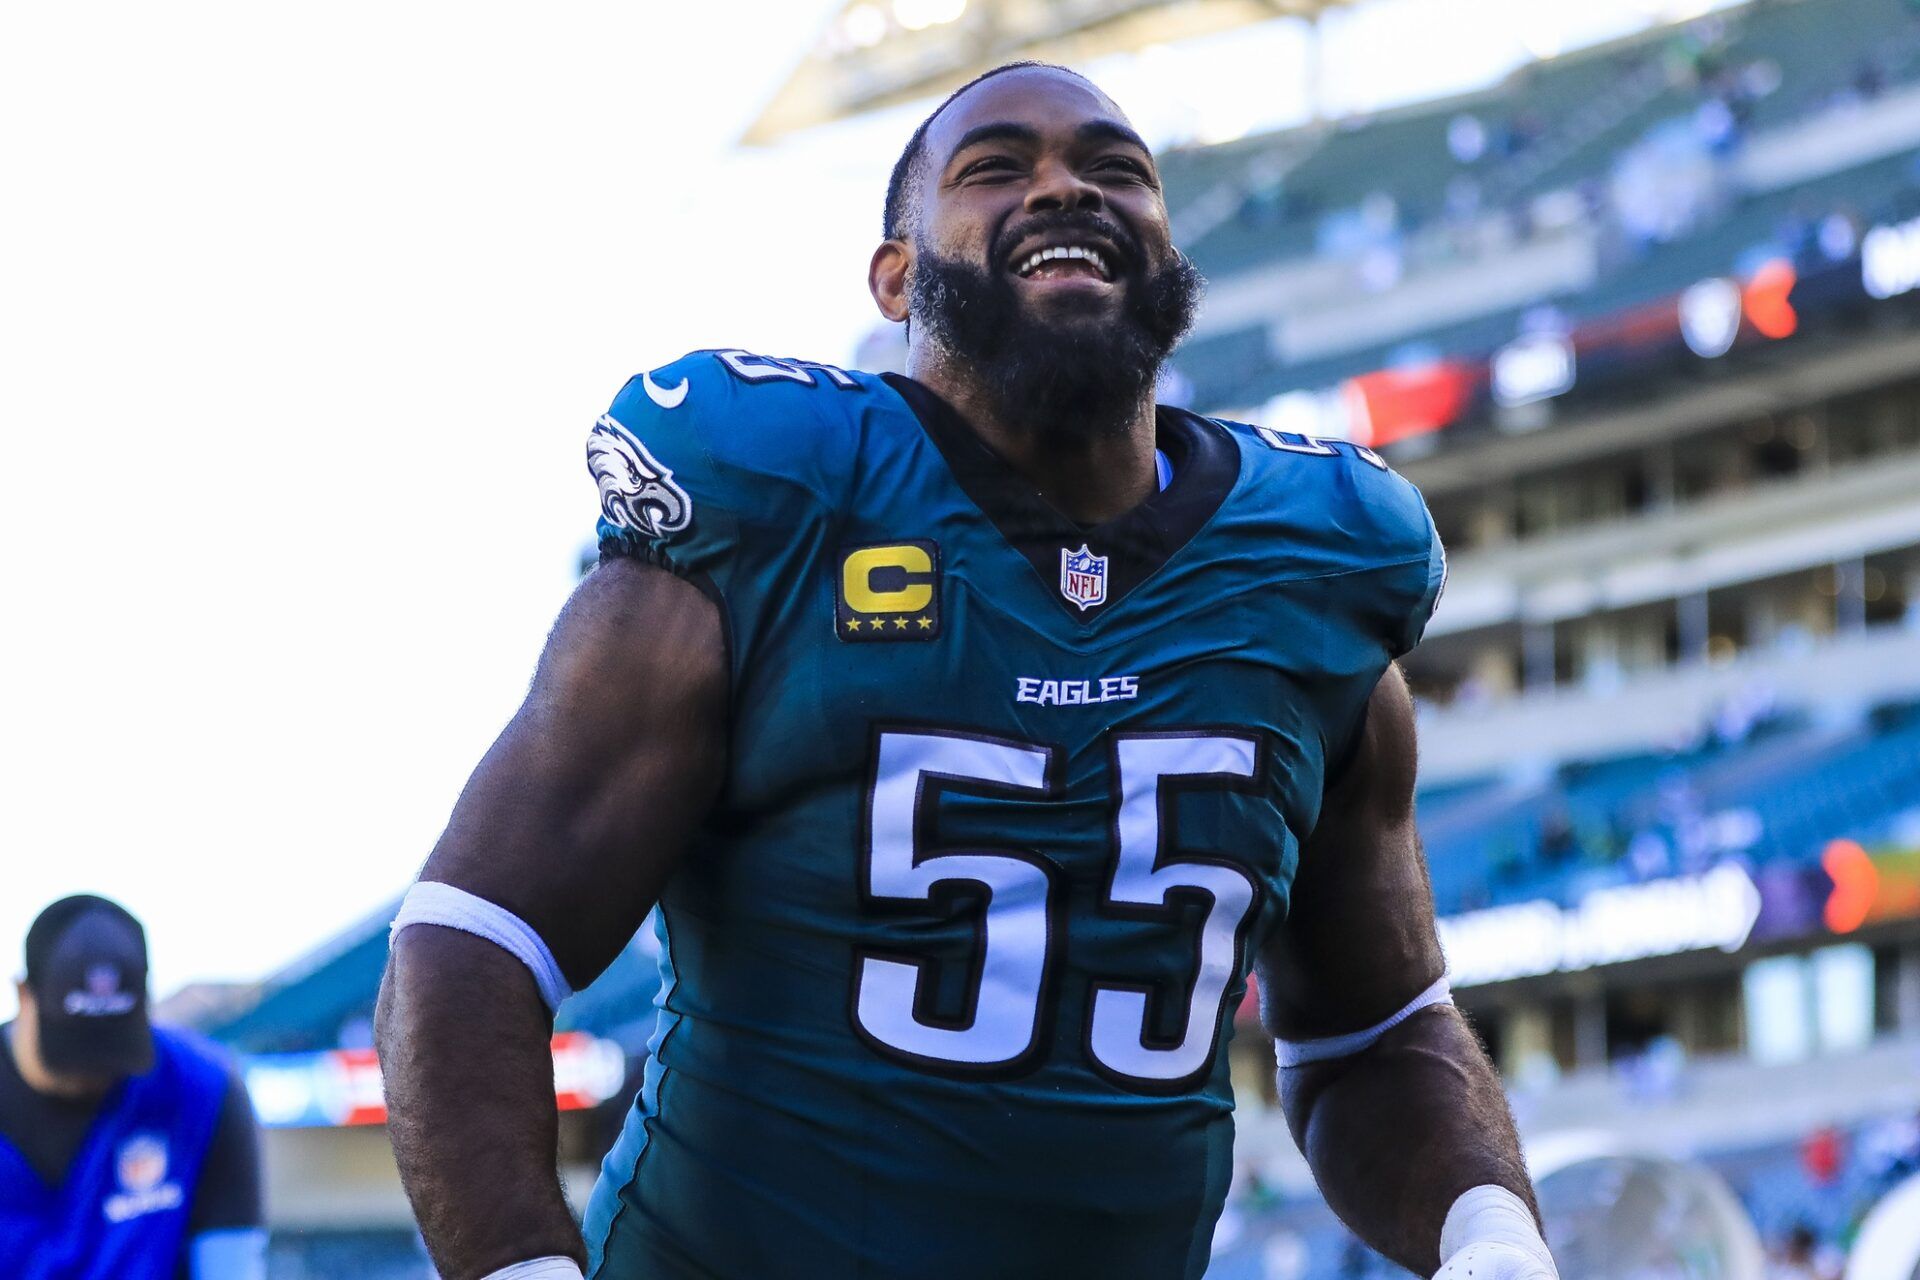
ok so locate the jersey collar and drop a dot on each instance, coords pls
(1205, 462)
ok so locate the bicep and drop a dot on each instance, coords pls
(1359, 940)
(579, 812)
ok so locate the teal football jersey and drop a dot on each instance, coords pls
(1011, 805)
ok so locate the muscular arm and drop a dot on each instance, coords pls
(1396, 1132)
(573, 822)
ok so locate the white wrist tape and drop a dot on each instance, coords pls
(1296, 1053)
(429, 902)
(1492, 1215)
(538, 1269)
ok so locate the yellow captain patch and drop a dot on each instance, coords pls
(889, 592)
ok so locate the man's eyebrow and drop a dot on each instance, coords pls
(1112, 131)
(1009, 131)
(1000, 131)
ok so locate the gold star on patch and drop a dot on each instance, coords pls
(926, 624)
(900, 623)
(853, 624)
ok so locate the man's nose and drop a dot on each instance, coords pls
(1058, 185)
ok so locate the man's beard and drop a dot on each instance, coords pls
(1078, 377)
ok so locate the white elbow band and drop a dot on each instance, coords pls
(1298, 1053)
(1493, 1216)
(429, 902)
(539, 1269)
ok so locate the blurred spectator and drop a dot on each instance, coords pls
(1656, 1073)
(1869, 79)
(1890, 1149)
(1466, 137)
(1792, 1257)
(1648, 856)
(1714, 124)
(1557, 843)
(1175, 388)
(1284, 1257)
(1664, 184)
(1822, 1155)
(127, 1151)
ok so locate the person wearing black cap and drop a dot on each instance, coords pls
(127, 1151)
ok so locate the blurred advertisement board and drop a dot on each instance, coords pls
(1607, 926)
(344, 1086)
(1848, 888)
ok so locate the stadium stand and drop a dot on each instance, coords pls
(325, 1001)
(1616, 176)
(1778, 796)
(1817, 1185)
(366, 1255)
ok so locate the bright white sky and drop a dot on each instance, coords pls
(304, 313)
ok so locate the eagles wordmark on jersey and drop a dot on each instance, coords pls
(1011, 805)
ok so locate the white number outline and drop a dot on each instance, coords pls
(774, 369)
(887, 964)
(1165, 787)
(1138, 1003)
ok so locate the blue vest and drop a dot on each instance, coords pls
(121, 1213)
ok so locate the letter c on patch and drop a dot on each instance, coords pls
(908, 589)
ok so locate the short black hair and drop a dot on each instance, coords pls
(900, 184)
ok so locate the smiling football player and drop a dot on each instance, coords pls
(976, 733)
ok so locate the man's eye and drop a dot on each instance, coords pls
(988, 164)
(1122, 164)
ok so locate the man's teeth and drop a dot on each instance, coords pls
(1083, 253)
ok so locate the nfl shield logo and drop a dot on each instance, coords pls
(142, 1163)
(1083, 577)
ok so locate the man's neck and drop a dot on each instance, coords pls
(14, 1052)
(1090, 478)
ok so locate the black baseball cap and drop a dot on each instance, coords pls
(87, 969)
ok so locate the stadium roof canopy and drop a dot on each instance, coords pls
(879, 53)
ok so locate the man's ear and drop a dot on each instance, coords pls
(887, 278)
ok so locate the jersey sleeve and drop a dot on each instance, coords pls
(707, 475)
(1395, 542)
(1434, 584)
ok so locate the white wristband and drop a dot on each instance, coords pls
(555, 1268)
(1492, 1215)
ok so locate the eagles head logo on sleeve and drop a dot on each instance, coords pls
(636, 492)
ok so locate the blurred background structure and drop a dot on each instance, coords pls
(871, 56)
(1642, 320)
